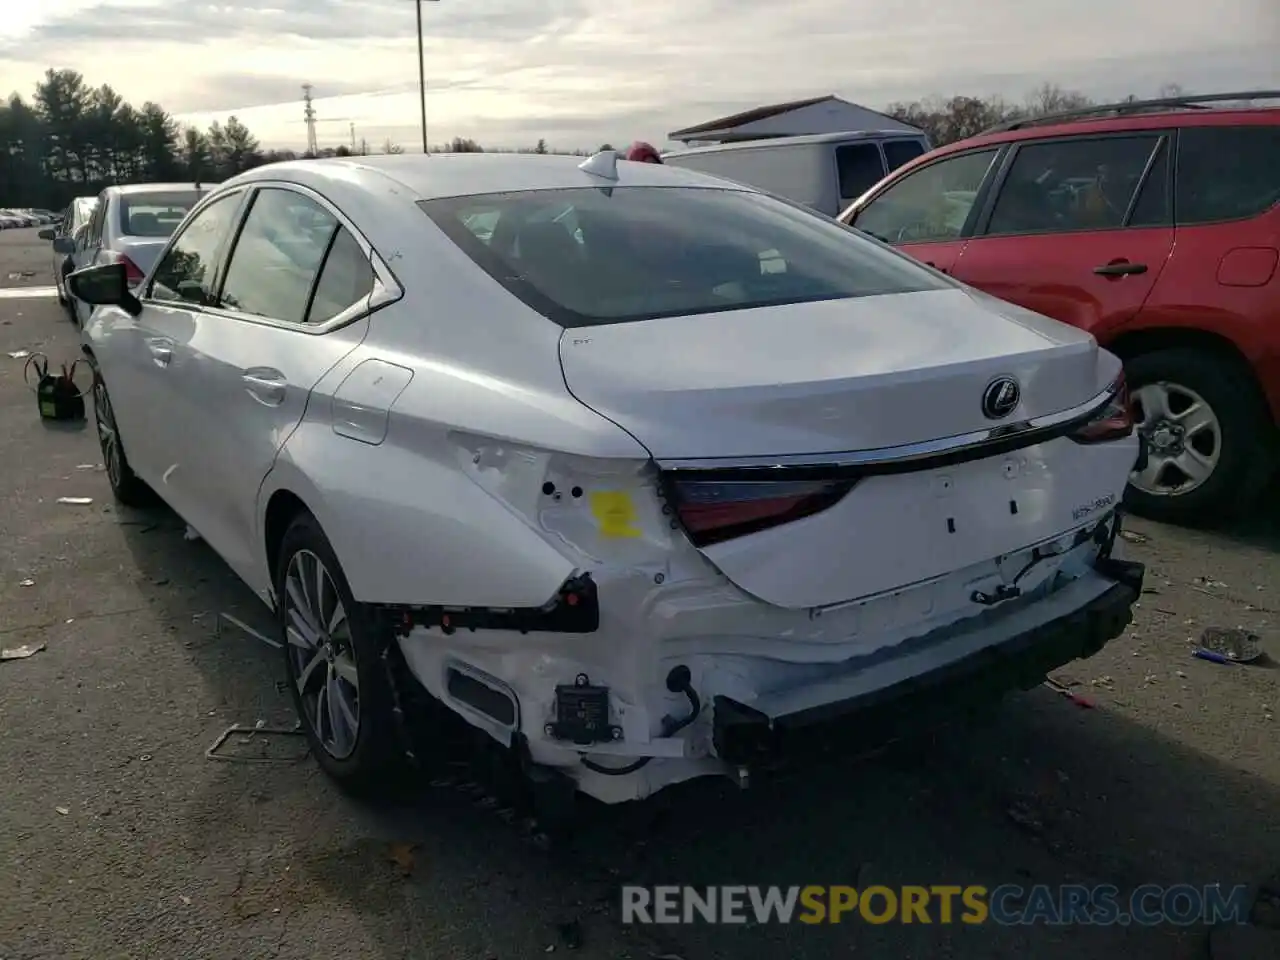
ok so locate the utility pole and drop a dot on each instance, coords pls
(309, 114)
(422, 79)
(353, 137)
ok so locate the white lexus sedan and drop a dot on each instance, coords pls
(643, 474)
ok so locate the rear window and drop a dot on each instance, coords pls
(592, 256)
(155, 214)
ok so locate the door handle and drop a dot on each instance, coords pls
(161, 350)
(268, 387)
(1120, 268)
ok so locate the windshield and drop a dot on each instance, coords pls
(590, 256)
(155, 214)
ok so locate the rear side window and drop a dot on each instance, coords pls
(1227, 173)
(899, 152)
(586, 256)
(278, 256)
(155, 214)
(859, 167)
(1066, 185)
(346, 279)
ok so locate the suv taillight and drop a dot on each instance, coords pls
(1113, 422)
(712, 511)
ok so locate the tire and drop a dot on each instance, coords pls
(369, 758)
(126, 487)
(1244, 444)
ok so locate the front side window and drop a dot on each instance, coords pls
(1068, 185)
(859, 168)
(586, 256)
(278, 256)
(1227, 173)
(186, 272)
(929, 204)
(155, 214)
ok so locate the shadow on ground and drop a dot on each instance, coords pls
(1036, 791)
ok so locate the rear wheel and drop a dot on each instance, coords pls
(1210, 442)
(333, 662)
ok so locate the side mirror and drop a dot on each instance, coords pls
(46, 234)
(61, 244)
(105, 285)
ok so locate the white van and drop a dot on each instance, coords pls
(826, 171)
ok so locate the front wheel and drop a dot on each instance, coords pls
(127, 488)
(1209, 438)
(334, 665)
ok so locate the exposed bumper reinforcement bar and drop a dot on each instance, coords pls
(933, 678)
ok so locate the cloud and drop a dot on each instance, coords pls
(578, 72)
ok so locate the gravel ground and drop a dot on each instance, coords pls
(120, 839)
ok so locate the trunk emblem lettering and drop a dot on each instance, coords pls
(1001, 398)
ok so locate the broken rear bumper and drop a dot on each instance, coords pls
(965, 669)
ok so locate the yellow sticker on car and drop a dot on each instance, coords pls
(615, 513)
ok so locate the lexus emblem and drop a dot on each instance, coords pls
(1001, 398)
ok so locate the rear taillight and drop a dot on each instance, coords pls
(713, 511)
(1113, 422)
(132, 272)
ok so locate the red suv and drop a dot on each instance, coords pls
(1155, 226)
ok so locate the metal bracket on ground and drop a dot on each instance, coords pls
(243, 628)
(257, 730)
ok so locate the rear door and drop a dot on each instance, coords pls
(928, 212)
(1076, 228)
(293, 302)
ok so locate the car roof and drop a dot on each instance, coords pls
(469, 174)
(130, 189)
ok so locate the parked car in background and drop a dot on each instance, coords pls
(130, 225)
(587, 452)
(20, 219)
(824, 171)
(9, 221)
(1155, 226)
(63, 241)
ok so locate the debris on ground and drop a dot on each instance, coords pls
(26, 582)
(190, 533)
(21, 653)
(570, 934)
(63, 810)
(19, 354)
(1234, 643)
(76, 501)
(1133, 537)
(1208, 582)
(403, 856)
(1075, 698)
(1021, 813)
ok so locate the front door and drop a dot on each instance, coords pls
(291, 305)
(1079, 229)
(927, 211)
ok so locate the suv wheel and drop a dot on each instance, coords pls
(1209, 438)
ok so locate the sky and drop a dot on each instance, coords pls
(579, 73)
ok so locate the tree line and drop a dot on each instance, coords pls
(71, 139)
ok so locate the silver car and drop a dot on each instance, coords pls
(63, 238)
(130, 225)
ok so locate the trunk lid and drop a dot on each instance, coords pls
(825, 377)
(141, 250)
(805, 380)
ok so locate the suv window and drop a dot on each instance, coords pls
(278, 256)
(1227, 173)
(1064, 185)
(859, 167)
(186, 272)
(898, 152)
(928, 204)
(637, 253)
(346, 278)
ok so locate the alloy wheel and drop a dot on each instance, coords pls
(322, 654)
(1184, 439)
(108, 435)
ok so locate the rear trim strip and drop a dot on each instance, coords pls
(905, 458)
